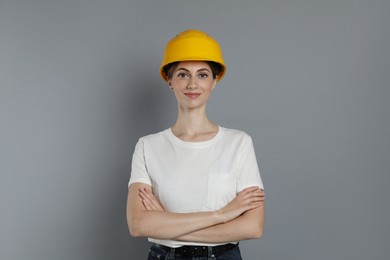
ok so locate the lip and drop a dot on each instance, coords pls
(192, 95)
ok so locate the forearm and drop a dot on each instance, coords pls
(247, 226)
(160, 224)
(146, 217)
(164, 225)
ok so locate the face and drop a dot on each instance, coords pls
(192, 82)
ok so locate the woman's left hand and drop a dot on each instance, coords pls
(150, 201)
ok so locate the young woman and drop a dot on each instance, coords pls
(195, 189)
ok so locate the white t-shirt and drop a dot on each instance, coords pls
(195, 176)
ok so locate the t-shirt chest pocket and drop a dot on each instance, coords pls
(221, 189)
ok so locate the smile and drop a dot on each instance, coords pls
(192, 95)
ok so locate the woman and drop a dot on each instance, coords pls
(195, 188)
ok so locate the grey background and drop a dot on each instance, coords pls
(308, 80)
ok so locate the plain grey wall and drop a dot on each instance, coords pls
(308, 80)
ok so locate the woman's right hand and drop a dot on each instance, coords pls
(245, 200)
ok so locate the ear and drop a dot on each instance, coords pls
(214, 85)
(170, 85)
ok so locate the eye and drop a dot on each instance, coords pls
(182, 75)
(203, 75)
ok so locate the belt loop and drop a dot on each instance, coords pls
(210, 255)
(171, 254)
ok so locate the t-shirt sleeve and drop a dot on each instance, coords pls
(248, 173)
(139, 170)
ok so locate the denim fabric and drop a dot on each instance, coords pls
(158, 253)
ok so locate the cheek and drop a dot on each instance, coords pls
(209, 87)
(179, 84)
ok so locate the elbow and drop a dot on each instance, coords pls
(258, 233)
(135, 228)
(255, 233)
(135, 232)
(259, 230)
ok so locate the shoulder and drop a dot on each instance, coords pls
(235, 134)
(152, 138)
(236, 138)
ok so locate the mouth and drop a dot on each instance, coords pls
(192, 95)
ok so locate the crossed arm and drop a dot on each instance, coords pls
(240, 219)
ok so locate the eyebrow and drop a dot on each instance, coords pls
(202, 69)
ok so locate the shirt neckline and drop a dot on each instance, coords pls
(200, 144)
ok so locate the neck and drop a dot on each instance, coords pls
(192, 121)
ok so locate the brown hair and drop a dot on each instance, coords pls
(215, 67)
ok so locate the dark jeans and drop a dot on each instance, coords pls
(162, 254)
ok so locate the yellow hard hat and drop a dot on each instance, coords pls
(192, 45)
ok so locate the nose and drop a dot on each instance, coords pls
(191, 83)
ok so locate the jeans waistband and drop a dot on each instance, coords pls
(198, 251)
